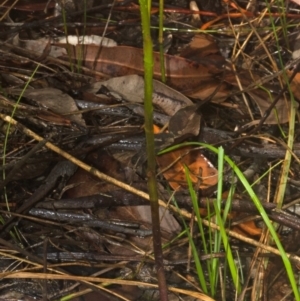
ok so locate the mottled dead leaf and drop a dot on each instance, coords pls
(202, 172)
(56, 101)
(131, 88)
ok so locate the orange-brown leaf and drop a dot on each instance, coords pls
(202, 172)
(201, 46)
(295, 84)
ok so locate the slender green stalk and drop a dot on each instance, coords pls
(281, 187)
(161, 40)
(216, 234)
(195, 252)
(280, 192)
(228, 252)
(196, 209)
(151, 166)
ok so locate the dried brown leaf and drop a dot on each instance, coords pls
(262, 98)
(186, 122)
(131, 88)
(201, 46)
(201, 170)
(279, 115)
(295, 84)
(181, 73)
(56, 101)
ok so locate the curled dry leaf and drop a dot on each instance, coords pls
(29, 111)
(186, 122)
(202, 172)
(56, 101)
(131, 89)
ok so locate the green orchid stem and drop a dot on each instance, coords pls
(151, 167)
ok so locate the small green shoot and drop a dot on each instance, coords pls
(200, 272)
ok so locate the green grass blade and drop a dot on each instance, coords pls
(198, 265)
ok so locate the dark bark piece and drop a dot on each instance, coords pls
(115, 198)
(88, 220)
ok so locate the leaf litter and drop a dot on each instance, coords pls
(87, 101)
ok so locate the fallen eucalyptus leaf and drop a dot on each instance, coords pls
(181, 74)
(131, 89)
